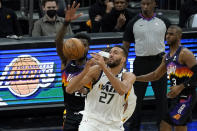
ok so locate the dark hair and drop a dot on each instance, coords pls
(178, 29)
(83, 36)
(45, 1)
(124, 50)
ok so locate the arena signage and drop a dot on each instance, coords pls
(24, 75)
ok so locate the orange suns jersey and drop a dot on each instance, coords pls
(75, 101)
(178, 73)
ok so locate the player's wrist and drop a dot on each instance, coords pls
(85, 70)
(104, 67)
(183, 86)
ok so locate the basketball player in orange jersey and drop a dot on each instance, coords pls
(73, 102)
(181, 67)
(112, 87)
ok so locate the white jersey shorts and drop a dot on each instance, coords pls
(89, 124)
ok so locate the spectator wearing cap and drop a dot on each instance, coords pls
(117, 19)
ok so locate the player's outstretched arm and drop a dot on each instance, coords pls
(155, 75)
(88, 74)
(122, 87)
(126, 45)
(70, 14)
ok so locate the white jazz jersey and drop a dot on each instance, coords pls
(105, 105)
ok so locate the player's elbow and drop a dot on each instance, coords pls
(121, 94)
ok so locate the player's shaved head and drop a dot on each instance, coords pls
(177, 28)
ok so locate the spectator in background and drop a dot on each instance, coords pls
(187, 9)
(96, 13)
(148, 30)
(50, 23)
(9, 24)
(117, 19)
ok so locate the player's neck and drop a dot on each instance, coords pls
(148, 15)
(116, 70)
(173, 48)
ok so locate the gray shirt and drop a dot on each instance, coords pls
(148, 34)
(44, 27)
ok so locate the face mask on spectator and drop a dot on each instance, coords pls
(51, 13)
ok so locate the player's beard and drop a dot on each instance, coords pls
(172, 43)
(114, 63)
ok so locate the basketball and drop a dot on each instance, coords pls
(73, 49)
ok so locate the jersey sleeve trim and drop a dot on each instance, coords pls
(127, 95)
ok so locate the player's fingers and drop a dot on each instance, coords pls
(73, 5)
(67, 10)
(95, 55)
(92, 54)
(77, 16)
(94, 61)
(77, 6)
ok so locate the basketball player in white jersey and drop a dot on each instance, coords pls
(111, 93)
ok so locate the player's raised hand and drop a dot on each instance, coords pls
(70, 12)
(98, 59)
(89, 64)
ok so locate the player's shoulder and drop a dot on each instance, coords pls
(185, 51)
(128, 74)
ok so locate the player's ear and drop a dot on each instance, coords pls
(123, 59)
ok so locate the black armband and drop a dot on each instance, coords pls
(192, 82)
(66, 23)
